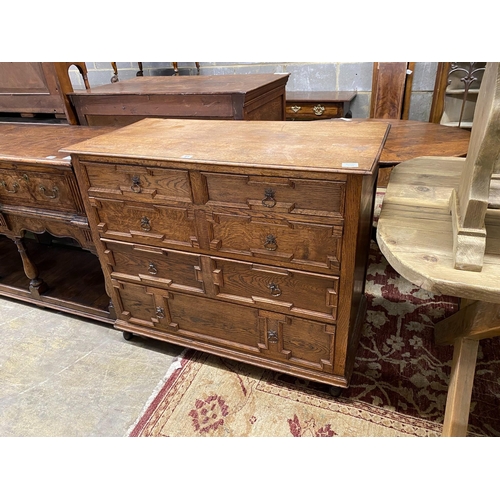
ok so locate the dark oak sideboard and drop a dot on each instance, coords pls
(244, 239)
(41, 208)
(228, 97)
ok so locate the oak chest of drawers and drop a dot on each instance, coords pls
(243, 239)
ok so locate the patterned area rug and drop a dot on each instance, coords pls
(398, 387)
(211, 396)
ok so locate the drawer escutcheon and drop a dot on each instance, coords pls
(45, 191)
(319, 109)
(269, 200)
(14, 189)
(270, 243)
(145, 224)
(272, 336)
(136, 184)
(275, 289)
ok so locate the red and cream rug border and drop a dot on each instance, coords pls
(185, 368)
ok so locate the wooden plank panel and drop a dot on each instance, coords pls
(388, 89)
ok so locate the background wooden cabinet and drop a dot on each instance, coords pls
(29, 89)
(214, 97)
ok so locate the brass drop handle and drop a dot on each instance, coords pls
(152, 269)
(269, 200)
(145, 224)
(160, 312)
(275, 289)
(14, 189)
(44, 190)
(136, 184)
(270, 243)
(272, 336)
(319, 109)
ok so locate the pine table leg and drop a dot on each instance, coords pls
(460, 389)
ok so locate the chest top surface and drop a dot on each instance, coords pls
(339, 147)
(41, 143)
(187, 85)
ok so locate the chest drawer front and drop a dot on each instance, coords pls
(139, 183)
(154, 266)
(215, 322)
(276, 195)
(146, 224)
(54, 190)
(304, 245)
(313, 110)
(304, 294)
(261, 334)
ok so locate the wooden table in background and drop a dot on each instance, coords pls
(410, 139)
(216, 97)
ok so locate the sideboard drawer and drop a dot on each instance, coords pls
(53, 189)
(313, 111)
(145, 224)
(138, 183)
(304, 294)
(318, 105)
(155, 266)
(277, 194)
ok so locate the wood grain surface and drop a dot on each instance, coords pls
(41, 143)
(193, 84)
(326, 146)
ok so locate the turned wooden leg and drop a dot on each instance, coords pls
(84, 74)
(176, 69)
(37, 285)
(458, 400)
(140, 72)
(114, 78)
(198, 67)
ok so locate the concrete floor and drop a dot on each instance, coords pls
(65, 376)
